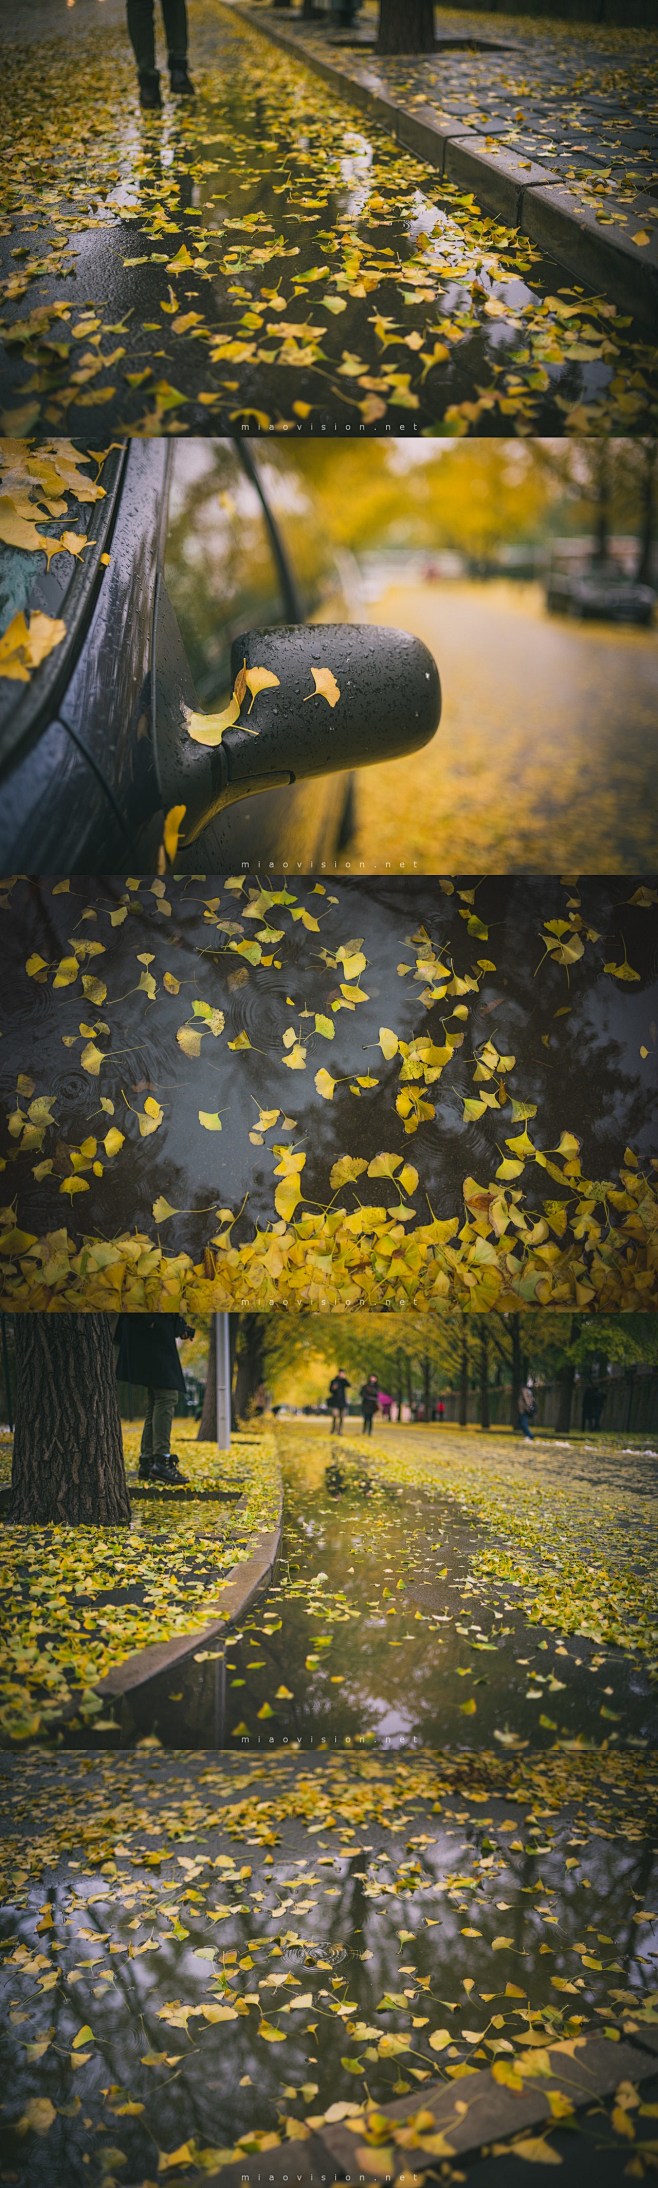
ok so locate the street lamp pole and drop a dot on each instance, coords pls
(223, 1369)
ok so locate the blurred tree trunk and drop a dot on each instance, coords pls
(517, 1366)
(68, 1466)
(463, 1376)
(250, 1356)
(484, 1375)
(648, 513)
(406, 26)
(603, 503)
(427, 1385)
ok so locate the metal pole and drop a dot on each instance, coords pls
(223, 1361)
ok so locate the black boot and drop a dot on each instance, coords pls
(179, 77)
(145, 1469)
(165, 1468)
(149, 88)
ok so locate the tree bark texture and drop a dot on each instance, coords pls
(68, 1466)
(406, 26)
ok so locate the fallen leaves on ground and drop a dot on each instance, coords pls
(79, 1600)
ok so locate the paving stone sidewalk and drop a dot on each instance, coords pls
(572, 107)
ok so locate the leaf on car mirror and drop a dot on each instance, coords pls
(260, 680)
(208, 729)
(325, 686)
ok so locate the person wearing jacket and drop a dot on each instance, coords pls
(369, 1403)
(148, 1354)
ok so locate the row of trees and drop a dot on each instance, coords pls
(68, 1463)
(477, 496)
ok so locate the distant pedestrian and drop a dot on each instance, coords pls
(338, 1389)
(369, 1403)
(148, 1354)
(141, 28)
(439, 1411)
(527, 1410)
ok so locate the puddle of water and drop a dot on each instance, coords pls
(389, 1906)
(377, 1629)
(576, 1041)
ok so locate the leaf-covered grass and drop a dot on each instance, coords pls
(77, 1601)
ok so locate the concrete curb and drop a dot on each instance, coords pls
(524, 193)
(242, 1584)
(472, 2112)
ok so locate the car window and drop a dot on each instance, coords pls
(319, 577)
(220, 568)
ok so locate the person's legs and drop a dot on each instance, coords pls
(146, 1446)
(164, 1407)
(174, 16)
(524, 1421)
(339, 1422)
(141, 31)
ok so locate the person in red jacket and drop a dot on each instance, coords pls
(141, 28)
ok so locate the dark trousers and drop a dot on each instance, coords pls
(367, 1424)
(141, 27)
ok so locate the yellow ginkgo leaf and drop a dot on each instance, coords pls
(325, 686)
(172, 828)
(259, 680)
(208, 729)
(162, 1209)
(151, 1118)
(23, 646)
(324, 1085)
(384, 1166)
(345, 1170)
(114, 1139)
(189, 1038)
(91, 1059)
(210, 1119)
(287, 1196)
(388, 1042)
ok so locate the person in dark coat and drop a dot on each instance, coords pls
(148, 1354)
(338, 1389)
(369, 1403)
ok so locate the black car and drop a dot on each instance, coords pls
(199, 560)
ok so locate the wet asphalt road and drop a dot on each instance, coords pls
(546, 757)
(323, 266)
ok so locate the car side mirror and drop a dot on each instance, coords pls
(333, 696)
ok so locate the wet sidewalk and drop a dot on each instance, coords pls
(562, 115)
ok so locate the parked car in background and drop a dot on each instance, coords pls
(599, 592)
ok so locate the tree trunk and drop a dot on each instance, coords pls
(484, 1375)
(68, 1452)
(648, 522)
(406, 26)
(427, 1385)
(207, 1429)
(517, 1366)
(250, 1353)
(603, 504)
(463, 1377)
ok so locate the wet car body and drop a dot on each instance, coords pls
(80, 782)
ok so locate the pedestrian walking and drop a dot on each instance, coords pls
(439, 1411)
(338, 1389)
(527, 1410)
(148, 1354)
(141, 29)
(369, 1403)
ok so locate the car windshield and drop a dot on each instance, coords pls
(55, 513)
